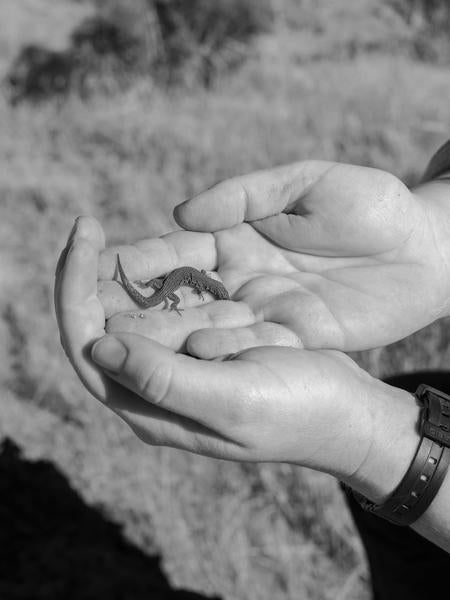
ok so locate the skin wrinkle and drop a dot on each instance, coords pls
(148, 266)
(294, 393)
(282, 260)
(436, 244)
(213, 241)
(318, 264)
(252, 410)
(180, 439)
(347, 333)
(371, 439)
(246, 201)
(419, 222)
(252, 336)
(289, 337)
(305, 191)
(219, 241)
(328, 275)
(441, 308)
(174, 256)
(338, 329)
(262, 334)
(158, 383)
(290, 262)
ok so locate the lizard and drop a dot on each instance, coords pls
(166, 286)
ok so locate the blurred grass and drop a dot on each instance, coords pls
(241, 531)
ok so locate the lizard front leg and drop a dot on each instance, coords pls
(199, 292)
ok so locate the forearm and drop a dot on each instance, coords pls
(394, 412)
(435, 523)
(395, 438)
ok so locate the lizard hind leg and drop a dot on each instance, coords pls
(175, 301)
(155, 283)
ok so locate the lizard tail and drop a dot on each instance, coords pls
(132, 291)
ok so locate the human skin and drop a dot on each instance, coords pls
(315, 254)
(319, 258)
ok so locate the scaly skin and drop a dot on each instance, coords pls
(165, 287)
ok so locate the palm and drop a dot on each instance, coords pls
(333, 301)
(346, 262)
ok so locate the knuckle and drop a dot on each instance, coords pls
(155, 386)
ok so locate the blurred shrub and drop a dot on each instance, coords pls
(435, 12)
(342, 31)
(430, 24)
(37, 73)
(171, 41)
(188, 41)
(201, 38)
(99, 55)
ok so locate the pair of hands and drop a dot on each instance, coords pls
(319, 258)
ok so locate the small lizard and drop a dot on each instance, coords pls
(166, 286)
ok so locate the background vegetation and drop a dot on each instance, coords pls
(132, 108)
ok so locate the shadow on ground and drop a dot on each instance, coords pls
(53, 546)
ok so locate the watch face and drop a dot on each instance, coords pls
(435, 419)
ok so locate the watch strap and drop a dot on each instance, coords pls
(424, 477)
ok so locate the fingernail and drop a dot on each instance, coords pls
(73, 231)
(109, 353)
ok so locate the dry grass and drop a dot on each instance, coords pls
(241, 531)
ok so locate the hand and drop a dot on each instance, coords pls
(316, 255)
(265, 404)
(315, 408)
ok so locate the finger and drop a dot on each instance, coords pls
(213, 343)
(79, 280)
(62, 258)
(79, 313)
(169, 329)
(210, 393)
(150, 258)
(249, 197)
(83, 227)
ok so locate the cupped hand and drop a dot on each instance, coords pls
(267, 403)
(315, 254)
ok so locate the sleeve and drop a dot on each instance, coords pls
(439, 164)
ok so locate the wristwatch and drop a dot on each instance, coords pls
(422, 481)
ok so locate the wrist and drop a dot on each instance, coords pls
(434, 197)
(393, 441)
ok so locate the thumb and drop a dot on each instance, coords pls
(201, 390)
(249, 197)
